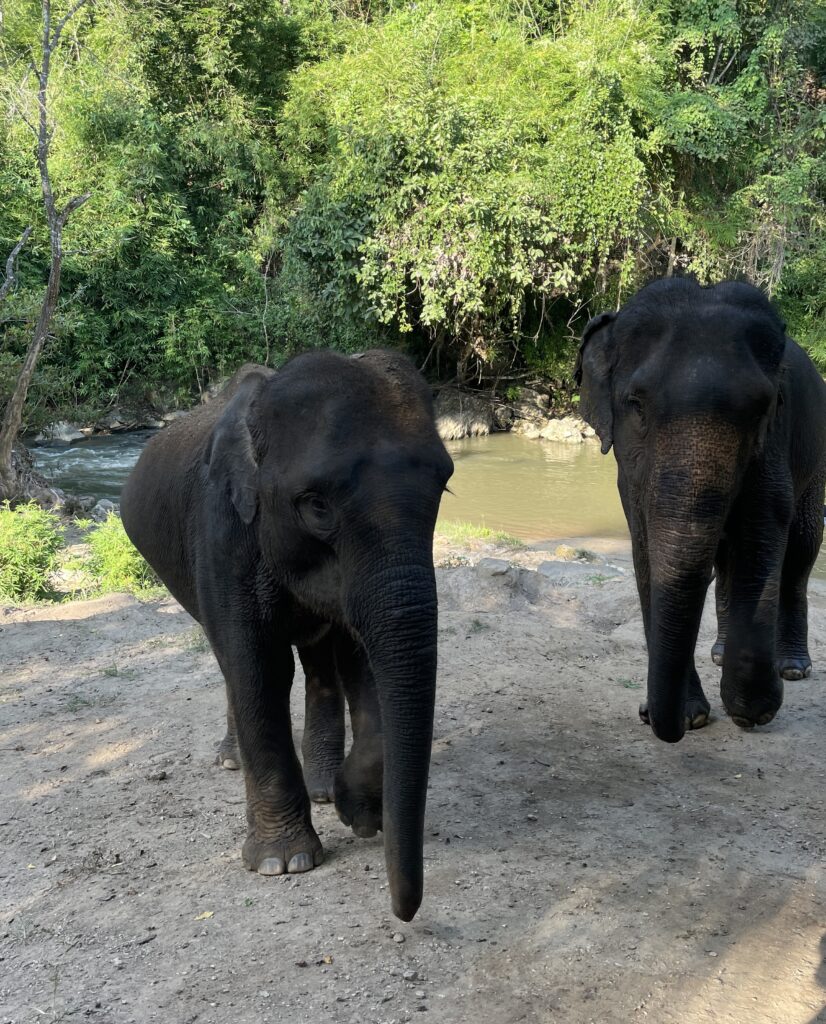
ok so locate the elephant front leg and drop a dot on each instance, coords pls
(359, 783)
(322, 747)
(280, 836)
(751, 686)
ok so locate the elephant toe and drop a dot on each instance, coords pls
(321, 789)
(294, 853)
(698, 715)
(229, 756)
(795, 669)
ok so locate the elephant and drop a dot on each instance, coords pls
(297, 509)
(718, 423)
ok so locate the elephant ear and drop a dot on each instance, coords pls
(232, 459)
(593, 375)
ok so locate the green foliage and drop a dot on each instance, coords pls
(459, 532)
(30, 539)
(114, 563)
(463, 177)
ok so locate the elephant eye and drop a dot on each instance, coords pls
(316, 512)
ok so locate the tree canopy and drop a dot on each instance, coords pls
(468, 179)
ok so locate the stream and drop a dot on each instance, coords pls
(534, 490)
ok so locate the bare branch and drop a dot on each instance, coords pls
(8, 284)
(71, 206)
(64, 22)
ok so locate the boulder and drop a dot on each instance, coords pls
(568, 430)
(173, 414)
(117, 420)
(530, 408)
(61, 431)
(460, 414)
(103, 510)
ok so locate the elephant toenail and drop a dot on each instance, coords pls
(300, 862)
(271, 866)
(744, 723)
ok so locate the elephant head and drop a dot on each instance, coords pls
(684, 382)
(337, 470)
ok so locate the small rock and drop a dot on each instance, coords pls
(398, 937)
(493, 567)
(158, 776)
(411, 975)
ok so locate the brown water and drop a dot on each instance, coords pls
(539, 490)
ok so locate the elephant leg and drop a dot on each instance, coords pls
(259, 674)
(751, 686)
(322, 747)
(229, 756)
(805, 536)
(722, 596)
(359, 784)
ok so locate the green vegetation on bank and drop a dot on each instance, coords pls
(460, 532)
(30, 540)
(469, 180)
(114, 563)
(36, 566)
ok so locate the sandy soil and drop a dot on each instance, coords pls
(577, 870)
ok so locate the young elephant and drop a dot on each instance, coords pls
(718, 422)
(298, 508)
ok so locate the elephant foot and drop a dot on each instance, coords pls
(793, 669)
(717, 652)
(748, 713)
(229, 756)
(295, 851)
(358, 795)
(697, 713)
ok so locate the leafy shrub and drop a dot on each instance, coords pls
(29, 541)
(114, 561)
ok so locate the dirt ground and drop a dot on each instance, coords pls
(576, 869)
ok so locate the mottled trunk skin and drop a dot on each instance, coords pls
(690, 496)
(394, 613)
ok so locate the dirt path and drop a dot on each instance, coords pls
(577, 870)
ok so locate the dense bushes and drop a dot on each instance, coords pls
(114, 563)
(30, 539)
(462, 177)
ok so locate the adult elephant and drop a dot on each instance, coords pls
(298, 508)
(718, 422)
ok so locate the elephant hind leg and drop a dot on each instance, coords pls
(229, 755)
(722, 587)
(322, 747)
(805, 536)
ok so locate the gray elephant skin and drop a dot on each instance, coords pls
(718, 422)
(297, 509)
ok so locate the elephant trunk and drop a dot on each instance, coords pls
(395, 616)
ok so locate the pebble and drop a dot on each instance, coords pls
(411, 975)
(398, 937)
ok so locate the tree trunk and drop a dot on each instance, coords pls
(10, 484)
(13, 414)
